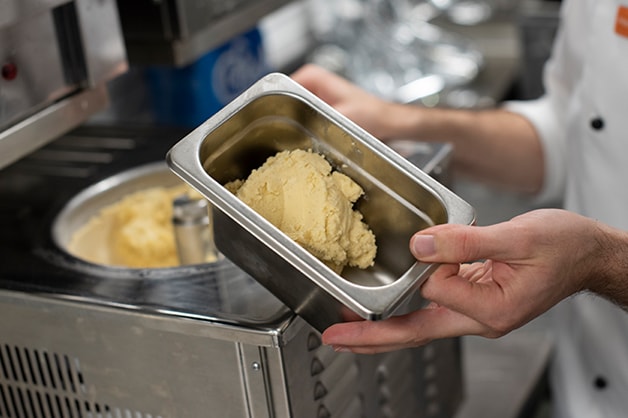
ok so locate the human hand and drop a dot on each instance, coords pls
(532, 262)
(379, 117)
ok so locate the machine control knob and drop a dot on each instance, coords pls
(9, 71)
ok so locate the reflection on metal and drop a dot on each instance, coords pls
(180, 31)
(391, 48)
(60, 55)
(51, 122)
(191, 221)
(422, 87)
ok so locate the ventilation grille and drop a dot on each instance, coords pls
(39, 384)
(396, 386)
(335, 378)
(74, 156)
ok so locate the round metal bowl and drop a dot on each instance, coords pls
(83, 229)
(218, 289)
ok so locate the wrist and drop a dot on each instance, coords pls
(400, 121)
(610, 276)
(403, 121)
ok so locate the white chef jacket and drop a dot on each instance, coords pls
(583, 124)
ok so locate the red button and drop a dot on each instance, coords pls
(9, 71)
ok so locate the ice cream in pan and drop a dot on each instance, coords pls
(299, 193)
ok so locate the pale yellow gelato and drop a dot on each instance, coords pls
(135, 232)
(298, 192)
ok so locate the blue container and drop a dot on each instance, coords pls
(189, 95)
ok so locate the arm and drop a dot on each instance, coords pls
(497, 146)
(533, 262)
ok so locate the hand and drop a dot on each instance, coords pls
(373, 114)
(532, 262)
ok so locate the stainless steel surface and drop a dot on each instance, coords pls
(101, 38)
(97, 361)
(56, 57)
(193, 231)
(277, 114)
(197, 341)
(498, 41)
(12, 11)
(28, 47)
(44, 126)
(178, 32)
(64, 359)
(391, 48)
(433, 158)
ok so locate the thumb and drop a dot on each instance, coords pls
(453, 243)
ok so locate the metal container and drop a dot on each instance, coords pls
(277, 114)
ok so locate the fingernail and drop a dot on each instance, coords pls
(423, 245)
(340, 349)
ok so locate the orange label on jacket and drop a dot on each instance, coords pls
(621, 23)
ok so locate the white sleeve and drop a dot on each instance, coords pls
(542, 114)
(548, 114)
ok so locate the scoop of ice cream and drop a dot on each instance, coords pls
(298, 192)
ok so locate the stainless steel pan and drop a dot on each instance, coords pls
(277, 114)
